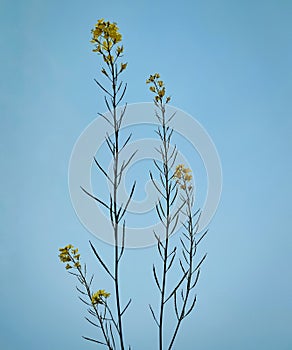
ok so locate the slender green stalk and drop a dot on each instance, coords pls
(115, 209)
(190, 272)
(105, 38)
(189, 249)
(70, 255)
(167, 194)
(166, 190)
(171, 183)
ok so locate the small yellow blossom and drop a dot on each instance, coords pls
(110, 58)
(157, 87)
(123, 66)
(188, 177)
(69, 254)
(120, 50)
(161, 92)
(186, 170)
(64, 257)
(97, 297)
(183, 176)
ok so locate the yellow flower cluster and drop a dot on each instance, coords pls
(70, 254)
(157, 87)
(97, 298)
(107, 30)
(105, 36)
(183, 176)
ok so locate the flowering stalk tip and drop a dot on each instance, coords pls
(158, 88)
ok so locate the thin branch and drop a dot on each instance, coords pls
(105, 90)
(94, 341)
(94, 324)
(100, 260)
(176, 288)
(103, 171)
(201, 261)
(153, 315)
(191, 307)
(128, 201)
(95, 198)
(152, 179)
(156, 278)
(125, 308)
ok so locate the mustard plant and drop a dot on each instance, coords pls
(189, 244)
(173, 182)
(107, 39)
(96, 301)
(175, 185)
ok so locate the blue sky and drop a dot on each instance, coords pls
(228, 64)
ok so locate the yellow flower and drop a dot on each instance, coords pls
(64, 257)
(104, 293)
(120, 50)
(182, 175)
(151, 78)
(123, 66)
(77, 264)
(178, 174)
(106, 34)
(110, 58)
(107, 45)
(66, 254)
(161, 92)
(97, 296)
(68, 267)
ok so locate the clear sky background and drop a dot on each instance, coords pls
(227, 63)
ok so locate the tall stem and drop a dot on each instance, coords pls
(167, 195)
(189, 276)
(115, 195)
